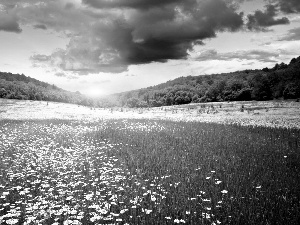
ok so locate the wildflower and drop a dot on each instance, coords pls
(206, 215)
(176, 184)
(12, 221)
(73, 212)
(89, 197)
(123, 211)
(67, 222)
(18, 188)
(153, 198)
(69, 198)
(79, 217)
(148, 211)
(93, 219)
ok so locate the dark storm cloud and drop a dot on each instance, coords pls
(163, 33)
(108, 36)
(260, 55)
(129, 32)
(9, 23)
(137, 4)
(288, 6)
(262, 20)
(144, 4)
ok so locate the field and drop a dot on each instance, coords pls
(238, 163)
(280, 114)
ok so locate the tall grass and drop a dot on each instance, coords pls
(147, 172)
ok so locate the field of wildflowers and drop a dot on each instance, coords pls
(145, 171)
(276, 114)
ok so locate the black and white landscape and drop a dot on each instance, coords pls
(149, 112)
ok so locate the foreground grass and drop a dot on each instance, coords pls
(147, 172)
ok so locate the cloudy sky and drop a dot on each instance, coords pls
(109, 46)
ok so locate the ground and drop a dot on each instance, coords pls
(69, 164)
(255, 113)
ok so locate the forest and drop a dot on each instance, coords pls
(16, 86)
(280, 82)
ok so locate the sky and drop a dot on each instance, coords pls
(100, 47)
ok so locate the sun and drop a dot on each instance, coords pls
(94, 92)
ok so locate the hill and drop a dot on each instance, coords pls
(280, 82)
(16, 86)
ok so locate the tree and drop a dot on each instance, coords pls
(260, 87)
(293, 61)
(244, 94)
(266, 69)
(195, 98)
(132, 102)
(169, 100)
(291, 90)
(3, 92)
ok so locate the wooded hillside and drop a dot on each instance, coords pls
(16, 86)
(281, 81)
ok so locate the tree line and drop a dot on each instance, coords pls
(19, 86)
(280, 82)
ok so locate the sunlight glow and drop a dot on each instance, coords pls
(94, 92)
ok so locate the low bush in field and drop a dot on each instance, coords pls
(147, 172)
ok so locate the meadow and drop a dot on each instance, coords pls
(89, 170)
